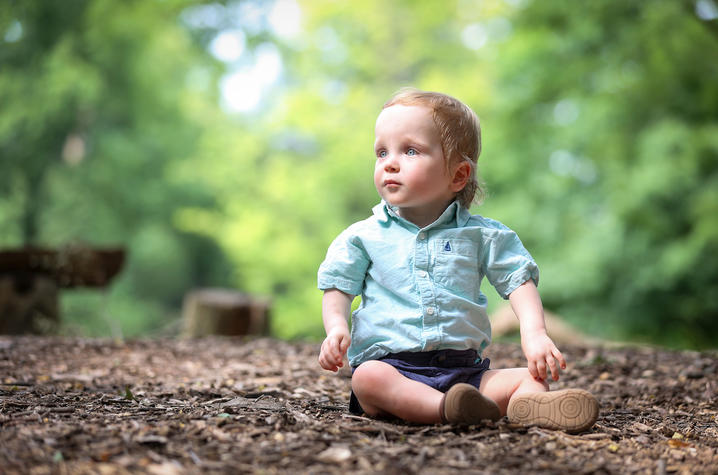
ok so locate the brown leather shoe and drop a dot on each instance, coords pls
(464, 404)
(571, 410)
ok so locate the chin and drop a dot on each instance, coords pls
(395, 203)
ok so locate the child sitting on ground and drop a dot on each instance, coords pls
(418, 262)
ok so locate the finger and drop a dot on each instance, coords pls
(557, 354)
(330, 360)
(532, 370)
(344, 344)
(323, 362)
(326, 362)
(329, 367)
(332, 348)
(541, 369)
(326, 345)
(552, 366)
(337, 360)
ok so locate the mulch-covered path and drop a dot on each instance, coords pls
(235, 406)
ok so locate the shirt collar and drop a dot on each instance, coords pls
(454, 212)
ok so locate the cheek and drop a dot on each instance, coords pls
(377, 174)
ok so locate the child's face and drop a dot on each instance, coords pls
(410, 171)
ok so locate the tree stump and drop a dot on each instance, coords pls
(70, 266)
(30, 280)
(28, 304)
(224, 312)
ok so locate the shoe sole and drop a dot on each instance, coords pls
(571, 410)
(466, 405)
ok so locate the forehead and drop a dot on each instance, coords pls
(399, 118)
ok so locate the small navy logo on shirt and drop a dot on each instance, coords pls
(447, 247)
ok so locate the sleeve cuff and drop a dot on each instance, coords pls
(518, 279)
(346, 286)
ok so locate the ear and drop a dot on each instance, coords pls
(461, 175)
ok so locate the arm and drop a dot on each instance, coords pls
(336, 306)
(539, 349)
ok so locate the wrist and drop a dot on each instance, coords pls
(338, 328)
(531, 333)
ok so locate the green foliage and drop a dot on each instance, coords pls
(621, 103)
(95, 102)
(599, 123)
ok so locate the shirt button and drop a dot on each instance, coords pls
(422, 274)
(430, 310)
(422, 236)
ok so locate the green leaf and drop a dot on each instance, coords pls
(128, 394)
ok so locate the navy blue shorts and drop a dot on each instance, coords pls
(439, 369)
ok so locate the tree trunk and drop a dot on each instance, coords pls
(31, 207)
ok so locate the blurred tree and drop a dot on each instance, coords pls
(40, 98)
(306, 167)
(619, 101)
(97, 101)
(599, 126)
(600, 149)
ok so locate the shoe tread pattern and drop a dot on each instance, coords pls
(572, 410)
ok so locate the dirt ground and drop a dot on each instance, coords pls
(221, 405)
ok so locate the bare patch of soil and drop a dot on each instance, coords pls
(234, 405)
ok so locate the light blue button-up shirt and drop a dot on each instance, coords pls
(420, 288)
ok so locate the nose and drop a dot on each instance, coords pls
(391, 164)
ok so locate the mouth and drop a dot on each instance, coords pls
(391, 183)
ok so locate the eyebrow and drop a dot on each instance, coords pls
(407, 141)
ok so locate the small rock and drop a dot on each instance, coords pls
(335, 454)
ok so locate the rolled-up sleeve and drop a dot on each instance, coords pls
(345, 265)
(507, 264)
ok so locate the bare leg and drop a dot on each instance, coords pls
(382, 390)
(528, 401)
(502, 385)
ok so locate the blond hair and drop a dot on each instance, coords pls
(459, 130)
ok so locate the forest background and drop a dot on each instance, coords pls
(227, 143)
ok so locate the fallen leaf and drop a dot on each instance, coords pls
(678, 444)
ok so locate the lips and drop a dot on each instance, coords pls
(391, 183)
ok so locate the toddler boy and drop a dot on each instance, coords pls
(416, 339)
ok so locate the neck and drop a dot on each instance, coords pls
(423, 217)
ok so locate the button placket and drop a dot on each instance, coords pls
(422, 260)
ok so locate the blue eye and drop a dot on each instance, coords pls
(381, 153)
(411, 152)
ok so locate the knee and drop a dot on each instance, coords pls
(369, 377)
(529, 381)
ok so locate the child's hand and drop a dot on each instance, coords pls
(541, 353)
(334, 348)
